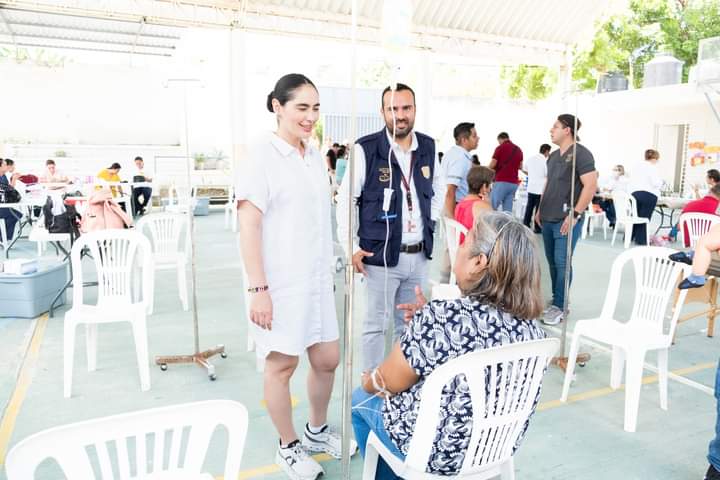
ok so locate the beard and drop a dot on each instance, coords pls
(400, 131)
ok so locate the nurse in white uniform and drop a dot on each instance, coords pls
(286, 238)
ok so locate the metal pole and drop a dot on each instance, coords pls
(191, 226)
(349, 272)
(569, 253)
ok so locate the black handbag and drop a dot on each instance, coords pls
(8, 194)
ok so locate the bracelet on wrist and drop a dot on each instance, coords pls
(262, 288)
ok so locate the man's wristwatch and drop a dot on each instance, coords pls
(576, 214)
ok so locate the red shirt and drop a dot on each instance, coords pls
(509, 157)
(464, 214)
(707, 204)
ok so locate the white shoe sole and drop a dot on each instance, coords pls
(280, 461)
(314, 447)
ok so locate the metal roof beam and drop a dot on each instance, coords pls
(89, 30)
(87, 49)
(105, 42)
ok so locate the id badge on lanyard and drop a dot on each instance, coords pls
(409, 224)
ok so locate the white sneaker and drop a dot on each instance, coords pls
(552, 316)
(296, 463)
(327, 441)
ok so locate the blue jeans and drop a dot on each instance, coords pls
(556, 254)
(367, 417)
(503, 194)
(714, 449)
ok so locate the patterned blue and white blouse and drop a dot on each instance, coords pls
(441, 331)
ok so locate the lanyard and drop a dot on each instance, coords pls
(406, 181)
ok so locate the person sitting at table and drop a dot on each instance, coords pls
(110, 175)
(645, 184)
(143, 192)
(709, 204)
(52, 174)
(712, 178)
(9, 215)
(618, 182)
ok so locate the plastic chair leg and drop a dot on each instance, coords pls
(616, 367)
(182, 286)
(633, 384)
(68, 354)
(612, 242)
(507, 470)
(139, 328)
(371, 461)
(663, 377)
(628, 234)
(91, 334)
(570, 368)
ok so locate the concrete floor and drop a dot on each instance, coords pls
(581, 439)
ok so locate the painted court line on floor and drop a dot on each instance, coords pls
(21, 386)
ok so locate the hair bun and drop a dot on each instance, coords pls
(269, 102)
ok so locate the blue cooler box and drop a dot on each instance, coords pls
(202, 206)
(27, 296)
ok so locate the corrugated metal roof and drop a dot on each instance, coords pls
(521, 29)
(58, 30)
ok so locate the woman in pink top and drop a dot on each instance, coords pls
(479, 185)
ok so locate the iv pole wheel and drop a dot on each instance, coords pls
(163, 367)
(223, 355)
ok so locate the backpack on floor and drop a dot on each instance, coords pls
(103, 213)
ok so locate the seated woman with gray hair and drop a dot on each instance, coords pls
(498, 273)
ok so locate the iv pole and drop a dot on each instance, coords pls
(582, 358)
(349, 269)
(198, 357)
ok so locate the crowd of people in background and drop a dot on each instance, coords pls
(52, 178)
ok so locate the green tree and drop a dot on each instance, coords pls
(649, 26)
(626, 42)
(532, 82)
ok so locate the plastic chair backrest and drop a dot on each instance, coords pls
(453, 230)
(625, 206)
(123, 443)
(656, 278)
(698, 224)
(515, 371)
(115, 254)
(166, 231)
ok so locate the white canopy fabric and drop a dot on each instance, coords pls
(515, 31)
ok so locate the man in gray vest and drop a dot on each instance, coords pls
(399, 193)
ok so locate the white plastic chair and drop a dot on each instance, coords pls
(115, 254)
(453, 229)
(169, 250)
(627, 216)
(179, 200)
(698, 224)
(655, 280)
(138, 441)
(231, 211)
(516, 370)
(590, 217)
